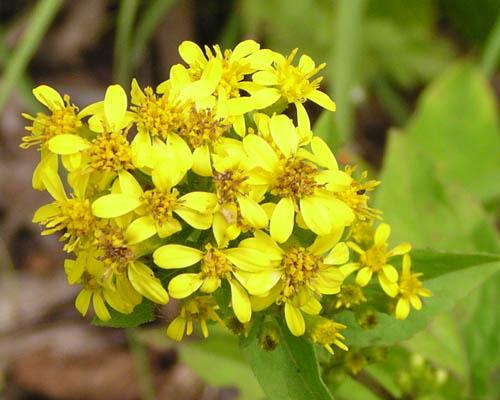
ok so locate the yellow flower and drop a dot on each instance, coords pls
(299, 183)
(305, 275)
(63, 120)
(196, 309)
(110, 151)
(116, 249)
(216, 264)
(158, 204)
(292, 83)
(72, 214)
(221, 75)
(350, 295)
(159, 117)
(88, 271)
(326, 332)
(410, 288)
(238, 207)
(374, 260)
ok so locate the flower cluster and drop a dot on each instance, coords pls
(207, 177)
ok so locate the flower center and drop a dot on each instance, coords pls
(160, 204)
(202, 127)
(76, 216)
(410, 285)
(215, 264)
(63, 120)
(350, 295)
(110, 152)
(297, 179)
(300, 267)
(227, 185)
(375, 257)
(116, 254)
(159, 115)
(232, 73)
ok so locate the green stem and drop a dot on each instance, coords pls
(42, 15)
(373, 385)
(146, 27)
(140, 358)
(346, 51)
(491, 53)
(124, 25)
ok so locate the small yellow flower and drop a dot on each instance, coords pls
(374, 261)
(350, 295)
(410, 288)
(326, 332)
(63, 120)
(293, 83)
(71, 214)
(300, 184)
(157, 205)
(217, 264)
(305, 275)
(199, 309)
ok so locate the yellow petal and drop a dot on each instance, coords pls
(168, 228)
(304, 124)
(191, 53)
(400, 249)
(208, 82)
(91, 109)
(240, 105)
(194, 218)
(175, 330)
(306, 64)
(364, 275)
(348, 269)
(323, 153)
(176, 256)
(180, 151)
(210, 284)
(67, 144)
(73, 270)
(258, 283)
(247, 259)
(313, 306)
(261, 152)
(265, 78)
(391, 288)
(240, 302)
(140, 229)
(324, 243)
(382, 233)
(53, 184)
(294, 320)
(100, 308)
(282, 220)
(184, 285)
(143, 280)
(201, 161)
(82, 301)
(243, 49)
(136, 93)
(402, 309)
(322, 99)
(338, 255)
(265, 97)
(284, 134)
(252, 212)
(48, 96)
(390, 272)
(129, 185)
(46, 211)
(315, 216)
(114, 205)
(416, 302)
(202, 202)
(115, 106)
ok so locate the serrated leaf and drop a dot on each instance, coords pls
(142, 313)
(290, 371)
(450, 281)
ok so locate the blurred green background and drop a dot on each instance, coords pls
(416, 84)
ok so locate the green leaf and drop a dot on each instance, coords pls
(327, 130)
(218, 360)
(142, 314)
(456, 123)
(451, 277)
(426, 211)
(288, 372)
